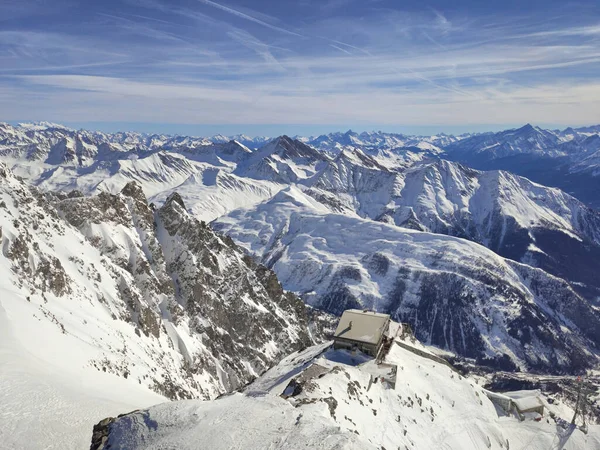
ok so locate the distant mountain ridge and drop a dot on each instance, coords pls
(568, 159)
(294, 199)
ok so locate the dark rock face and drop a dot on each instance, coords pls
(443, 306)
(450, 314)
(378, 263)
(100, 434)
(244, 301)
(575, 260)
(290, 148)
(338, 299)
(130, 213)
(40, 269)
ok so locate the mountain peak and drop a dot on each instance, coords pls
(38, 126)
(284, 140)
(527, 128)
(134, 190)
(289, 148)
(174, 198)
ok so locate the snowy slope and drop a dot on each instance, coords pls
(511, 215)
(103, 296)
(338, 407)
(458, 295)
(49, 398)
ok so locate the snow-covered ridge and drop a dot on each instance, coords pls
(339, 402)
(112, 288)
(511, 215)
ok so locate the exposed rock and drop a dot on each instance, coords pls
(201, 317)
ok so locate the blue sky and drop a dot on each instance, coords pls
(302, 67)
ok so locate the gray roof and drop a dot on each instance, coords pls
(361, 326)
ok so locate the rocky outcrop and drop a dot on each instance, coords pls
(245, 311)
(167, 301)
(100, 433)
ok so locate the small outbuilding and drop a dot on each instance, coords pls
(522, 403)
(361, 329)
(527, 401)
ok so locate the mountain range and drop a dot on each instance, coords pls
(188, 266)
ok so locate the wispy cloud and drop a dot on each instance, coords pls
(130, 88)
(262, 49)
(574, 31)
(248, 17)
(115, 99)
(440, 21)
(337, 47)
(352, 61)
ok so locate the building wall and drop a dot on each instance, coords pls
(369, 349)
(537, 409)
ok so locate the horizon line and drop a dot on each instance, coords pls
(195, 130)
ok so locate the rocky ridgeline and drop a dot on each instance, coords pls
(188, 312)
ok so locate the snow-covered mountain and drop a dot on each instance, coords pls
(250, 142)
(395, 151)
(456, 294)
(560, 159)
(378, 140)
(527, 139)
(283, 160)
(107, 257)
(358, 181)
(108, 286)
(512, 216)
(201, 171)
(328, 399)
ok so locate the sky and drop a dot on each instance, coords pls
(266, 67)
